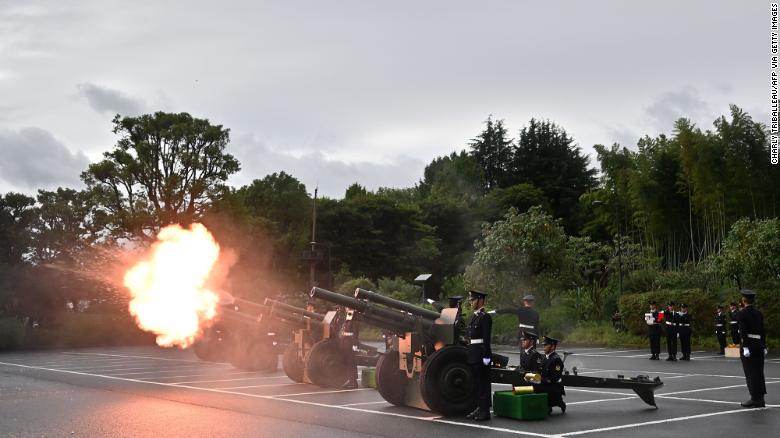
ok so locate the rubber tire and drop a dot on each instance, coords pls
(325, 364)
(252, 355)
(390, 380)
(292, 364)
(212, 346)
(447, 383)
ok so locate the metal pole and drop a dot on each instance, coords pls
(313, 260)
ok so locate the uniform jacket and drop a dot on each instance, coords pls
(531, 361)
(720, 323)
(670, 322)
(734, 320)
(684, 323)
(527, 318)
(655, 328)
(353, 327)
(751, 329)
(552, 368)
(480, 327)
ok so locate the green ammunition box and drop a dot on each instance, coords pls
(521, 406)
(368, 377)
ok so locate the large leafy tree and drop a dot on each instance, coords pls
(65, 225)
(492, 149)
(17, 217)
(164, 169)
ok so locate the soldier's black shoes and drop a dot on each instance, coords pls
(753, 404)
(671, 359)
(654, 357)
(563, 407)
(350, 384)
(685, 358)
(482, 416)
(473, 414)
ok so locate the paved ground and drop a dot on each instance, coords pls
(146, 391)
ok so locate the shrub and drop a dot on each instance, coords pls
(11, 333)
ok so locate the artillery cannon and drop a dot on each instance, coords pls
(427, 366)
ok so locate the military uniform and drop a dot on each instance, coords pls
(670, 323)
(479, 352)
(720, 329)
(753, 337)
(653, 332)
(348, 342)
(552, 370)
(684, 321)
(734, 324)
(527, 317)
(530, 359)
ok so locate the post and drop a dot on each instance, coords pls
(313, 261)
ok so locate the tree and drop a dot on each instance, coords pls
(17, 216)
(547, 157)
(63, 226)
(457, 176)
(164, 169)
(492, 150)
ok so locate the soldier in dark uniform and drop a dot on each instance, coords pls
(527, 316)
(734, 323)
(670, 317)
(753, 337)
(348, 341)
(479, 354)
(552, 370)
(720, 329)
(653, 331)
(530, 359)
(684, 321)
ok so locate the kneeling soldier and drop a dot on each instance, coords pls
(552, 370)
(530, 359)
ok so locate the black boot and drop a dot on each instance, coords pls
(482, 415)
(753, 404)
(350, 384)
(473, 414)
(563, 407)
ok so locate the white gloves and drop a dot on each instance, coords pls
(492, 312)
(486, 360)
(766, 351)
(354, 348)
(745, 351)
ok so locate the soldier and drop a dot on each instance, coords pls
(527, 316)
(552, 370)
(653, 331)
(530, 359)
(733, 323)
(753, 337)
(720, 329)
(348, 338)
(479, 354)
(671, 332)
(684, 321)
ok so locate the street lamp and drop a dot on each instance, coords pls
(620, 256)
(421, 279)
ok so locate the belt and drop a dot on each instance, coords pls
(718, 325)
(476, 341)
(752, 336)
(525, 326)
(733, 322)
(685, 325)
(347, 334)
(271, 334)
(669, 323)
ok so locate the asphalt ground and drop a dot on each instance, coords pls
(148, 391)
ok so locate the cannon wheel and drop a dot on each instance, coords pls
(325, 364)
(213, 346)
(253, 355)
(447, 383)
(390, 380)
(292, 363)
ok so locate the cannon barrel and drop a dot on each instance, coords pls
(391, 319)
(292, 309)
(396, 304)
(298, 321)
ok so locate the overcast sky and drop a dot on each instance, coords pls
(336, 92)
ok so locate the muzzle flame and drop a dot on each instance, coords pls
(168, 286)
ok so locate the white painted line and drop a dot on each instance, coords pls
(367, 403)
(188, 376)
(150, 367)
(704, 400)
(323, 392)
(169, 370)
(127, 355)
(228, 380)
(657, 422)
(599, 370)
(712, 389)
(266, 385)
(592, 391)
(585, 402)
(498, 429)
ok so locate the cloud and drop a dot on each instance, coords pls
(33, 158)
(107, 100)
(669, 107)
(314, 169)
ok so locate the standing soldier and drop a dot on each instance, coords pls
(734, 323)
(720, 329)
(653, 331)
(671, 332)
(684, 320)
(527, 316)
(479, 354)
(530, 359)
(349, 342)
(753, 337)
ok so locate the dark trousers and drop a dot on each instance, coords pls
(735, 336)
(482, 377)
(685, 343)
(753, 367)
(655, 342)
(671, 343)
(721, 341)
(349, 358)
(554, 393)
